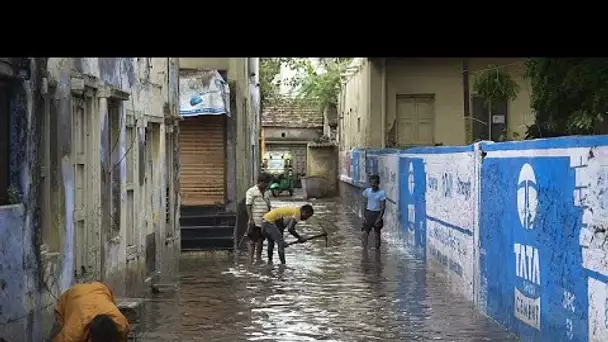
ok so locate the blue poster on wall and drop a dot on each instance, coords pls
(528, 219)
(412, 204)
(371, 164)
(355, 155)
(203, 92)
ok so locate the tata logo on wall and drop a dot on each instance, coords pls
(527, 196)
(410, 179)
(411, 207)
(527, 257)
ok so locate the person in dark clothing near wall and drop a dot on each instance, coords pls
(374, 211)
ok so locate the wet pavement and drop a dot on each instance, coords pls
(334, 293)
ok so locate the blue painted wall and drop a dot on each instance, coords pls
(540, 256)
(412, 204)
(535, 244)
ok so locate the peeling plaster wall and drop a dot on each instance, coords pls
(359, 112)
(239, 72)
(519, 227)
(170, 243)
(231, 157)
(37, 264)
(323, 162)
(21, 297)
(367, 116)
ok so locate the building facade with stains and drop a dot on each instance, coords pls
(89, 181)
(404, 102)
(290, 126)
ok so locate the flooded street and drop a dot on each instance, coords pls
(333, 293)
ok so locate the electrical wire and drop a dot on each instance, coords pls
(521, 63)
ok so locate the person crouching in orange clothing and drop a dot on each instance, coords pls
(88, 313)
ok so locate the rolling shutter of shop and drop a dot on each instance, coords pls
(202, 160)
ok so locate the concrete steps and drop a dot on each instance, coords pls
(203, 230)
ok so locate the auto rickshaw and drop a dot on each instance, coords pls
(280, 166)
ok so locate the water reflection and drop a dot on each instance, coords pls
(335, 293)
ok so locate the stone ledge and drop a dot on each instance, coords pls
(164, 287)
(129, 303)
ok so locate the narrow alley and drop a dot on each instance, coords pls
(331, 293)
(132, 184)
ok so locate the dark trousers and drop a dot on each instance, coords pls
(369, 222)
(254, 233)
(274, 234)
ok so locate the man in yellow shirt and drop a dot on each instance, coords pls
(273, 226)
(87, 313)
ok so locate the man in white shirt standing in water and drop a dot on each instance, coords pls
(257, 200)
(374, 210)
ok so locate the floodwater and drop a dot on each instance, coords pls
(333, 293)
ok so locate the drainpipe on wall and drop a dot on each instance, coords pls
(383, 104)
(368, 75)
(168, 79)
(466, 102)
(254, 79)
(250, 119)
(262, 143)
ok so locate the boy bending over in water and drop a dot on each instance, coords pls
(87, 313)
(372, 217)
(273, 226)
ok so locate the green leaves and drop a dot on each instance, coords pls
(569, 95)
(496, 84)
(319, 82)
(269, 85)
(324, 82)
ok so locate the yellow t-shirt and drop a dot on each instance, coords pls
(283, 212)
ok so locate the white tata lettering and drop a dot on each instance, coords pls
(527, 267)
(527, 263)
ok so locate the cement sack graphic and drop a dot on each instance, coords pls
(203, 92)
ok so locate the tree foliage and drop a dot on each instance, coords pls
(496, 84)
(569, 95)
(320, 83)
(270, 68)
(323, 82)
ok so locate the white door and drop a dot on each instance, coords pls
(415, 120)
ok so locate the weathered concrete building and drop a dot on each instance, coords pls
(88, 183)
(220, 159)
(401, 102)
(290, 126)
